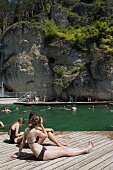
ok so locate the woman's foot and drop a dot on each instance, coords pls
(89, 147)
(64, 144)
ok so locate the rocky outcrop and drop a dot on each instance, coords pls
(30, 63)
(24, 67)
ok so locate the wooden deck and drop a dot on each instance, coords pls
(101, 156)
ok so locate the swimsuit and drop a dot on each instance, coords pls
(12, 137)
(41, 155)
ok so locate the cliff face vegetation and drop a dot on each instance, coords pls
(65, 49)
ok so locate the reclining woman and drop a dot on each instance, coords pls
(14, 134)
(48, 152)
(50, 133)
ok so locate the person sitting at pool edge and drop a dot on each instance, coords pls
(14, 134)
(49, 152)
(1, 125)
(49, 131)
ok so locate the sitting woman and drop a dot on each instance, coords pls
(14, 134)
(48, 152)
(50, 133)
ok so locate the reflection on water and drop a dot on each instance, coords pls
(84, 119)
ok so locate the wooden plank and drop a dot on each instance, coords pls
(99, 158)
(109, 167)
(92, 159)
(77, 159)
(106, 162)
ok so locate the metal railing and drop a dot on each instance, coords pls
(22, 96)
(26, 97)
(1, 84)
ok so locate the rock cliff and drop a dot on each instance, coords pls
(54, 68)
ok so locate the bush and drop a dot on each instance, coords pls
(51, 29)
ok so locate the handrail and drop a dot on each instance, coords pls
(1, 84)
(26, 97)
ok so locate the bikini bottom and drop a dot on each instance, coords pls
(41, 155)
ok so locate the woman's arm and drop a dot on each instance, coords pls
(42, 134)
(43, 129)
(22, 145)
(17, 130)
(17, 133)
(20, 148)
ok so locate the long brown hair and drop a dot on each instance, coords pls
(31, 115)
(35, 120)
(20, 120)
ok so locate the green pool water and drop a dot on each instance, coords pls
(84, 119)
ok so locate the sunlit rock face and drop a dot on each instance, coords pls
(24, 67)
(30, 63)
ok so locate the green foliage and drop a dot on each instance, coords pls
(60, 70)
(102, 26)
(33, 21)
(107, 44)
(77, 69)
(94, 48)
(76, 36)
(59, 5)
(48, 7)
(71, 14)
(51, 29)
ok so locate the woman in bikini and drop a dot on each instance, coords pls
(50, 133)
(14, 134)
(49, 152)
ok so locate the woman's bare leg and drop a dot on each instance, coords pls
(61, 151)
(53, 138)
(18, 140)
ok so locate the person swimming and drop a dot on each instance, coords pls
(6, 109)
(74, 108)
(106, 107)
(43, 110)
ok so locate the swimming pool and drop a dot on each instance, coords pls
(84, 119)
